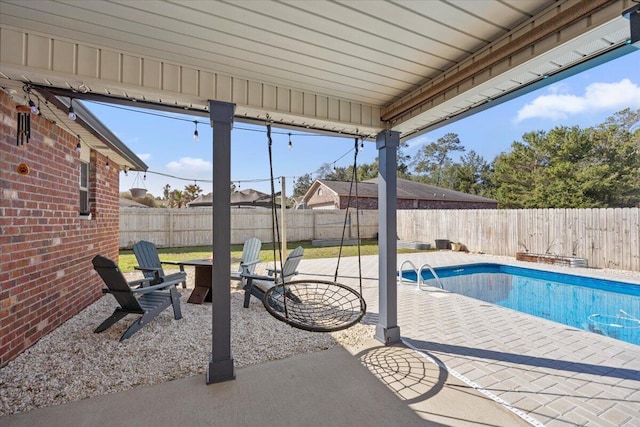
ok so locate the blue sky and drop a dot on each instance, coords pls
(167, 146)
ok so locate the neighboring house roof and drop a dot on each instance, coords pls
(405, 190)
(128, 203)
(248, 197)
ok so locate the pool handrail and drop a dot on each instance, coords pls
(418, 272)
(400, 278)
(433, 272)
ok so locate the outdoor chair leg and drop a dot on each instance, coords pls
(247, 292)
(111, 320)
(175, 302)
(184, 284)
(146, 318)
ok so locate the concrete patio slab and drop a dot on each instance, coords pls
(372, 386)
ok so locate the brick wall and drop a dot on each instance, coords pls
(46, 276)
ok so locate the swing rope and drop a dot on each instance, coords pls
(314, 305)
(354, 179)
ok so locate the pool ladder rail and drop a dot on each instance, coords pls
(418, 272)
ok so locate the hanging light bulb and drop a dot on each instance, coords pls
(290, 144)
(34, 108)
(361, 145)
(126, 171)
(72, 114)
(107, 165)
(195, 132)
(78, 146)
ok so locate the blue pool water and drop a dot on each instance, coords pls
(602, 306)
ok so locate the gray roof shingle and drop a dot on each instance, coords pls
(406, 190)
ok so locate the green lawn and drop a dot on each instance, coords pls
(368, 247)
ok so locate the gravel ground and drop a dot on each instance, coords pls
(73, 363)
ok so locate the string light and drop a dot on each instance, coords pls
(72, 114)
(196, 137)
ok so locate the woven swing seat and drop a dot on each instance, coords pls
(311, 305)
(315, 305)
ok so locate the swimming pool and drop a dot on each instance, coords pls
(602, 306)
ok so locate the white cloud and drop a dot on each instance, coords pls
(597, 97)
(418, 142)
(144, 156)
(190, 164)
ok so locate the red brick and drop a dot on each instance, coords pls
(42, 232)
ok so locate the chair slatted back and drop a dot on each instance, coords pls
(291, 264)
(117, 284)
(251, 253)
(147, 257)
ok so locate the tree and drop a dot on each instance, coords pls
(470, 176)
(175, 199)
(366, 171)
(403, 161)
(302, 184)
(333, 173)
(432, 159)
(166, 190)
(570, 167)
(191, 192)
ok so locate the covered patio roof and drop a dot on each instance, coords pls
(349, 67)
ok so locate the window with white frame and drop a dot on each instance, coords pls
(84, 189)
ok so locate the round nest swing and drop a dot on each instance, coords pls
(315, 305)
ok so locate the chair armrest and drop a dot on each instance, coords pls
(152, 288)
(171, 262)
(140, 282)
(156, 273)
(136, 283)
(270, 272)
(250, 262)
(137, 267)
(257, 277)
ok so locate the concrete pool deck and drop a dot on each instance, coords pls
(548, 373)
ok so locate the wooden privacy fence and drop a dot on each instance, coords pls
(192, 227)
(605, 237)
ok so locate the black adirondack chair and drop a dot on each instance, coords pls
(149, 301)
(151, 266)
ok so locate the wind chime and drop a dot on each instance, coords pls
(24, 124)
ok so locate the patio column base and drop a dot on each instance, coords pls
(220, 371)
(388, 336)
